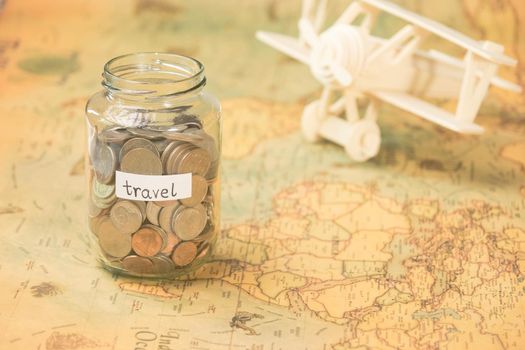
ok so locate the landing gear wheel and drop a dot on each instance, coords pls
(311, 121)
(364, 140)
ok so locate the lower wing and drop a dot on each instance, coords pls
(427, 111)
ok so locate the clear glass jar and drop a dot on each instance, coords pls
(153, 153)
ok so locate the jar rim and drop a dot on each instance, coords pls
(180, 74)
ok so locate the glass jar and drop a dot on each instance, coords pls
(153, 152)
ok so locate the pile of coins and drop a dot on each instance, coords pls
(153, 237)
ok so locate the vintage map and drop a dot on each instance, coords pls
(420, 248)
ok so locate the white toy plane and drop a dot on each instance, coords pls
(352, 64)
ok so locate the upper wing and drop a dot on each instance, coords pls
(286, 44)
(427, 111)
(442, 31)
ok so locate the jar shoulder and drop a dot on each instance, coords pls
(102, 107)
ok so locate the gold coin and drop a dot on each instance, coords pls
(126, 216)
(165, 204)
(162, 264)
(104, 162)
(93, 209)
(172, 241)
(166, 217)
(141, 161)
(204, 140)
(138, 142)
(199, 188)
(197, 161)
(142, 207)
(152, 212)
(94, 223)
(184, 253)
(114, 261)
(188, 222)
(213, 171)
(206, 235)
(179, 152)
(148, 240)
(112, 241)
(166, 153)
(137, 264)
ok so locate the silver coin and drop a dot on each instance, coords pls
(178, 136)
(145, 132)
(115, 135)
(104, 162)
(188, 120)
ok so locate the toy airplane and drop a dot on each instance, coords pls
(353, 64)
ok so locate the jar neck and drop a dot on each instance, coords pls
(152, 77)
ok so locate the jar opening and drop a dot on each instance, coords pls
(152, 75)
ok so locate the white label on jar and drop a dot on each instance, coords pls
(152, 187)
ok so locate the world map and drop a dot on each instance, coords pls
(422, 247)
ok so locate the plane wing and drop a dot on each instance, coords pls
(427, 111)
(286, 44)
(453, 61)
(441, 30)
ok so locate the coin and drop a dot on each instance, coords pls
(142, 207)
(161, 144)
(114, 261)
(162, 264)
(114, 135)
(103, 203)
(167, 128)
(152, 212)
(145, 132)
(148, 240)
(178, 136)
(141, 161)
(93, 209)
(213, 171)
(188, 120)
(102, 190)
(197, 161)
(206, 234)
(126, 216)
(104, 163)
(203, 140)
(177, 153)
(171, 242)
(165, 204)
(188, 222)
(112, 241)
(138, 142)
(199, 188)
(203, 250)
(94, 223)
(166, 153)
(137, 264)
(166, 217)
(184, 253)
